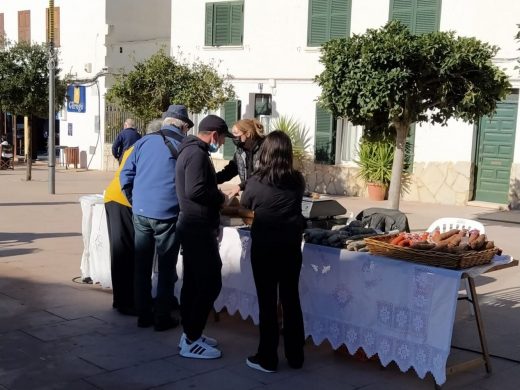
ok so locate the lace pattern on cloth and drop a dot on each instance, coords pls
(402, 311)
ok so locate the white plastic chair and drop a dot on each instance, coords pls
(446, 224)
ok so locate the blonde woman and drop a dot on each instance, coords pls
(249, 135)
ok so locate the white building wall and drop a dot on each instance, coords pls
(493, 22)
(275, 53)
(95, 36)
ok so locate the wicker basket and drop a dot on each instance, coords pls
(381, 246)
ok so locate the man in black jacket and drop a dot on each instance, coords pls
(125, 139)
(200, 201)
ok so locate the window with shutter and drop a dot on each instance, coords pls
(24, 26)
(420, 16)
(232, 113)
(409, 149)
(2, 32)
(328, 19)
(56, 26)
(224, 24)
(324, 137)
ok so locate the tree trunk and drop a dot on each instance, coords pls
(394, 193)
(15, 138)
(28, 148)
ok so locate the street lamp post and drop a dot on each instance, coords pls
(52, 120)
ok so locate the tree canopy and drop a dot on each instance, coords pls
(161, 80)
(389, 77)
(24, 80)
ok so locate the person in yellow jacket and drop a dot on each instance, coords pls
(121, 237)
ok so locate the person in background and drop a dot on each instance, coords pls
(249, 135)
(275, 194)
(121, 237)
(148, 181)
(200, 203)
(126, 138)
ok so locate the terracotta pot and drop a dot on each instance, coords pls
(376, 191)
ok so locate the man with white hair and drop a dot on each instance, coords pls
(126, 138)
(148, 181)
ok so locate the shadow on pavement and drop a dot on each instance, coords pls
(13, 239)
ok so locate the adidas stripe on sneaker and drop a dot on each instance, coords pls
(198, 349)
(208, 340)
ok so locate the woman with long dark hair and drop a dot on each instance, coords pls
(275, 194)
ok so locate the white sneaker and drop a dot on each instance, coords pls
(198, 349)
(208, 340)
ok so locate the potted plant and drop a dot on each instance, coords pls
(299, 136)
(375, 158)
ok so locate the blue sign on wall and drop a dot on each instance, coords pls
(76, 101)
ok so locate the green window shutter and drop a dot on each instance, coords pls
(410, 149)
(319, 22)
(328, 19)
(237, 23)
(325, 137)
(208, 34)
(427, 16)
(222, 19)
(232, 113)
(340, 18)
(420, 16)
(403, 10)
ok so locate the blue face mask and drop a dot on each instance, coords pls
(213, 148)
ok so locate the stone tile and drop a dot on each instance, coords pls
(124, 351)
(348, 370)
(221, 379)
(506, 380)
(88, 308)
(80, 384)
(474, 376)
(66, 329)
(10, 307)
(18, 349)
(311, 380)
(27, 319)
(141, 376)
(44, 373)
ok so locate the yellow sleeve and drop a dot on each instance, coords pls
(113, 192)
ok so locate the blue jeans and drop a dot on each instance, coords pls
(154, 235)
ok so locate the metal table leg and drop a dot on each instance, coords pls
(480, 324)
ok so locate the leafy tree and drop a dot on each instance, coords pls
(24, 80)
(24, 83)
(162, 80)
(391, 78)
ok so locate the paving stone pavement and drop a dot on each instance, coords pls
(56, 333)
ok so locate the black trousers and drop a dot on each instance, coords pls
(121, 236)
(276, 259)
(202, 280)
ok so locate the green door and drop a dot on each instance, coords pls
(496, 139)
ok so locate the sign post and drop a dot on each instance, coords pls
(51, 160)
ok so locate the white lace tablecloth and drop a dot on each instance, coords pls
(95, 260)
(400, 310)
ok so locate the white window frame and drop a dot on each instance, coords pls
(347, 141)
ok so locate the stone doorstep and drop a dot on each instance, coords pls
(488, 205)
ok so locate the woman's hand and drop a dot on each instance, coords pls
(234, 191)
